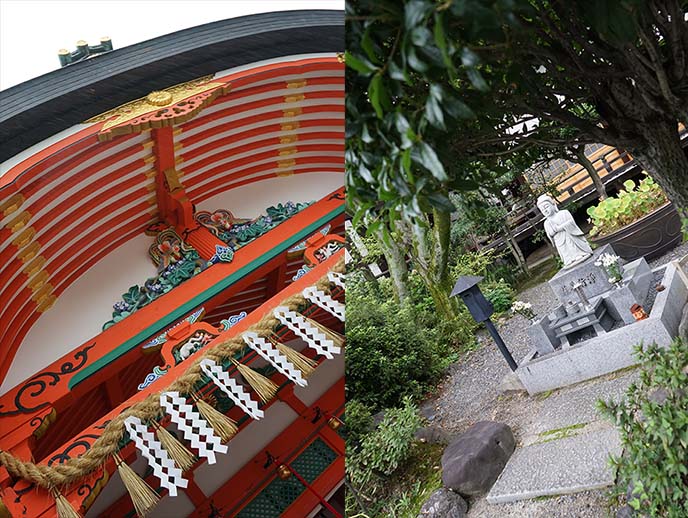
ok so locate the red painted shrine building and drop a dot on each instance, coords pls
(172, 279)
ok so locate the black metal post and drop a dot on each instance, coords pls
(500, 343)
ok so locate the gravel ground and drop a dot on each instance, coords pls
(676, 253)
(470, 393)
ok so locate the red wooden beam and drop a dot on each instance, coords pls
(150, 317)
(246, 484)
(36, 506)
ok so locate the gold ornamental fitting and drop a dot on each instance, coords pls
(334, 423)
(159, 98)
(283, 472)
(63, 52)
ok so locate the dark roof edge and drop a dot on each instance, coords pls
(36, 109)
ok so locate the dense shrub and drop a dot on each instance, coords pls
(383, 450)
(390, 354)
(358, 421)
(458, 333)
(653, 422)
(500, 294)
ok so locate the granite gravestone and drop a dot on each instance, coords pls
(592, 279)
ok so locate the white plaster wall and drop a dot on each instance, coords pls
(81, 310)
(244, 447)
(251, 200)
(326, 375)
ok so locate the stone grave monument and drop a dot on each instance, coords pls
(592, 330)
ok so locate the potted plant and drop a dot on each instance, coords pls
(638, 222)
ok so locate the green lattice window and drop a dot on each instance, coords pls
(280, 494)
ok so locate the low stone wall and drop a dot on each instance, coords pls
(669, 303)
(611, 351)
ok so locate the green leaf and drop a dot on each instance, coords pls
(431, 162)
(441, 202)
(366, 136)
(433, 111)
(420, 36)
(469, 58)
(406, 164)
(368, 46)
(415, 62)
(362, 66)
(441, 40)
(414, 13)
(477, 80)
(396, 73)
(464, 184)
(376, 94)
(457, 108)
(365, 173)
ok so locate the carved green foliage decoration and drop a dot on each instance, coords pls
(168, 277)
(178, 262)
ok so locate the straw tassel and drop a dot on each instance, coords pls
(264, 387)
(297, 359)
(223, 426)
(336, 338)
(179, 453)
(142, 495)
(62, 505)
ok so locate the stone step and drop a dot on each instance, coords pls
(562, 466)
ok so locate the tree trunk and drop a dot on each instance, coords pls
(663, 158)
(515, 248)
(431, 254)
(441, 232)
(583, 160)
(398, 269)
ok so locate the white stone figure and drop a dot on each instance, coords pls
(562, 230)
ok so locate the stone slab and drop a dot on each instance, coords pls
(640, 274)
(575, 405)
(669, 303)
(595, 357)
(542, 336)
(558, 467)
(619, 302)
(637, 278)
(593, 278)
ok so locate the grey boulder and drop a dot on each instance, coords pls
(444, 503)
(473, 461)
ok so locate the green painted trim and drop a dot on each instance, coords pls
(178, 313)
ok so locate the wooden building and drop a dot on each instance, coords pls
(171, 246)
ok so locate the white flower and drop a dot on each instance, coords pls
(611, 280)
(519, 305)
(608, 260)
(598, 263)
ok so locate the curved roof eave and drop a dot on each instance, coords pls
(34, 110)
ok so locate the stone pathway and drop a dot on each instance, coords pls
(558, 466)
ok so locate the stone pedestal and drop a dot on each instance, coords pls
(595, 316)
(542, 336)
(592, 278)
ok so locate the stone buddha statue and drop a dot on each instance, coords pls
(563, 232)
